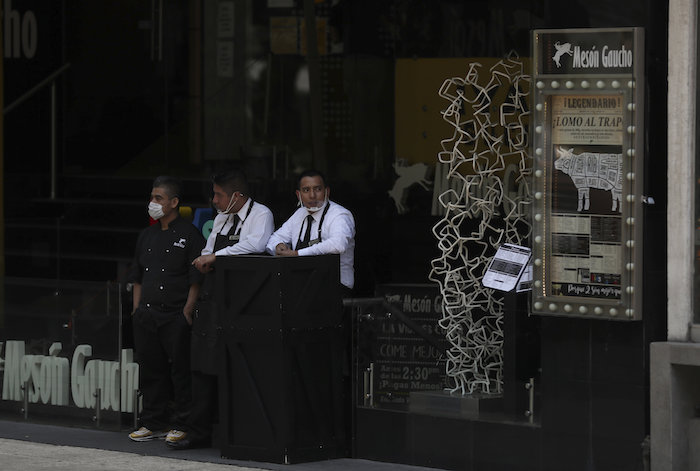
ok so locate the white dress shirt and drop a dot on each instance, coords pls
(337, 236)
(255, 230)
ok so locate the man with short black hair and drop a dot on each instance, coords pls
(165, 288)
(318, 227)
(242, 227)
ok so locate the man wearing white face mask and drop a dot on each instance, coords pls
(252, 220)
(318, 227)
(165, 288)
(321, 227)
(242, 227)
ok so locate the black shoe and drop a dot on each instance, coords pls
(188, 443)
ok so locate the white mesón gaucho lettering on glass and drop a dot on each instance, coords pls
(51, 378)
(21, 32)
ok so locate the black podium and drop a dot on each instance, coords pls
(281, 395)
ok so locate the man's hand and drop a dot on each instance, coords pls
(285, 251)
(187, 312)
(204, 263)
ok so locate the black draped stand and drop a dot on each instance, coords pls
(281, 391)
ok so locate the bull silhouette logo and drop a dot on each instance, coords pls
(561, 50)
(592, 170)
(409, 175)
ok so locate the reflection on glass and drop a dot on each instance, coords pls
(62, 357)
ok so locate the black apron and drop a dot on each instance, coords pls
(206, 348)
(302, 244)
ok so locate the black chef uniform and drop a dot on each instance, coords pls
(163, 267)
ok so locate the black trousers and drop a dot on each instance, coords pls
(162, 344)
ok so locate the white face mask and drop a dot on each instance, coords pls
(231, 204)
(155, 210)
(314, 209)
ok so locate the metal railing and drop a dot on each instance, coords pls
(50, 80)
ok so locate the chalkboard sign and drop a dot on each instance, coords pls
(403, 360)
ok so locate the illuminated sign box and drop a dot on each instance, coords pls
(588, 154)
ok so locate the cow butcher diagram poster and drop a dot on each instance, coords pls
(588, 147)
(587, 135)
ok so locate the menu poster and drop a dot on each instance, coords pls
(586, 195)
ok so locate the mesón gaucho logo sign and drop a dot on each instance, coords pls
(586, 52)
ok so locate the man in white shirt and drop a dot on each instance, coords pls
(318, 227)
(242, 227)
(253, 224)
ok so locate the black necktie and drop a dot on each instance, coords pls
(236, 219)
(307, 234)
